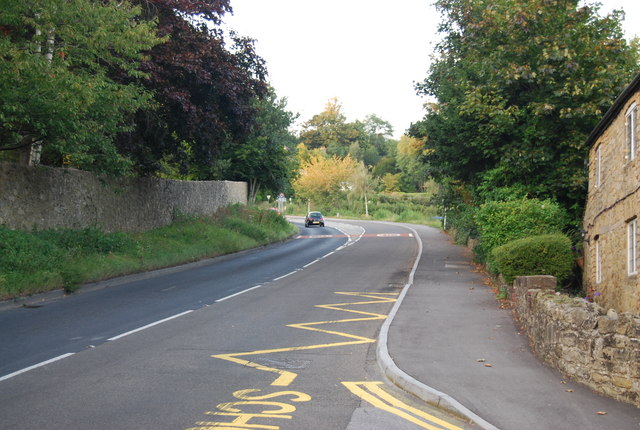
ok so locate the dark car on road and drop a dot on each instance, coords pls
(314, 218)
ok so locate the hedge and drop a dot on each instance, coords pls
(501, 222)
(548, 254)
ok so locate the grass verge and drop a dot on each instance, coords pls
(44, 260)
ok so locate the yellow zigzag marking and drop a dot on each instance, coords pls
(286, 377)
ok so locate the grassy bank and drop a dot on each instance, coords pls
(45, 260)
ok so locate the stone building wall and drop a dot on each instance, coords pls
(598, 348)
(612, 202)
(45, 197)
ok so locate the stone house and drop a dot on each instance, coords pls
(613, 206)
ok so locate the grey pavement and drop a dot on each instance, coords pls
(448, 342)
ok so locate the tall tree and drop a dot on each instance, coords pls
(204, 89)
(265, 160)
(519, 85)
(362, 185)
(379, 142)
(409, 161)
(54, 84)
(329, 129)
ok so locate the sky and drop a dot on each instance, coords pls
(367, 53)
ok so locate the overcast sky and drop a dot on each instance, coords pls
(367, 53)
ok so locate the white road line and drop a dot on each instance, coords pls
(149, 325)
(288, 274)
(309, 264)
(44, 363)
(237, 294)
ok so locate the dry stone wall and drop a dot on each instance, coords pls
(45, 197)
(598, 348)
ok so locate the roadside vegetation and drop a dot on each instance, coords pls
(514, 100)
(412, 208)
(514, 90)
(44, 260)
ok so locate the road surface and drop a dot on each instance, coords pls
(277, 338)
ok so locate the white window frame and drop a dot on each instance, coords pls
(598, 166)
(598, 263)
(631, 134)
(632, 247)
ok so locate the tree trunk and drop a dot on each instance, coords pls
(29, 152)
(253, 190)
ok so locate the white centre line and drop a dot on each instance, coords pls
(309, 264)
(44, 363)
(149, 325)
(284, 276)
(237, 294)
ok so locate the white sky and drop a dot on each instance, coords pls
(367, 53)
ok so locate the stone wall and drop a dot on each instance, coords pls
(597, 348)
(45, 197)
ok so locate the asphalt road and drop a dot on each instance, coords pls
(277, 338)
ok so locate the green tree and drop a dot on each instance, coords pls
(266, 159)
(330, 130)
(378, 139)
(519, 86)
(391, 181)
(325, 128)
(386, 164)
(362, 185)
(409, 161)
(55, 91)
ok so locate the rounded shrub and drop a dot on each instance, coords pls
(547, 254)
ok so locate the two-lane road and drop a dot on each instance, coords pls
(31, 335)
(277, 338)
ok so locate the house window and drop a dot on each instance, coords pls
(598, 263)
(632, 247)
(598, 166)
(632, 138)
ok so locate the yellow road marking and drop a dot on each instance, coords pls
(285, 377)
(371, 392)
(282, 410)
(241, 420)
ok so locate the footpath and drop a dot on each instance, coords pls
(449, 342)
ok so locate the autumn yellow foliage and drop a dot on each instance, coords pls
(324, 179)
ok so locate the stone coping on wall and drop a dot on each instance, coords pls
(594, 346)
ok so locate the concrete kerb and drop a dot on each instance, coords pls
(407, 382)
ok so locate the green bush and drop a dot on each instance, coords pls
(462, 221)
(23, 252)
(246, 229)
(502, 222)
(86, 241)
(548, 254)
